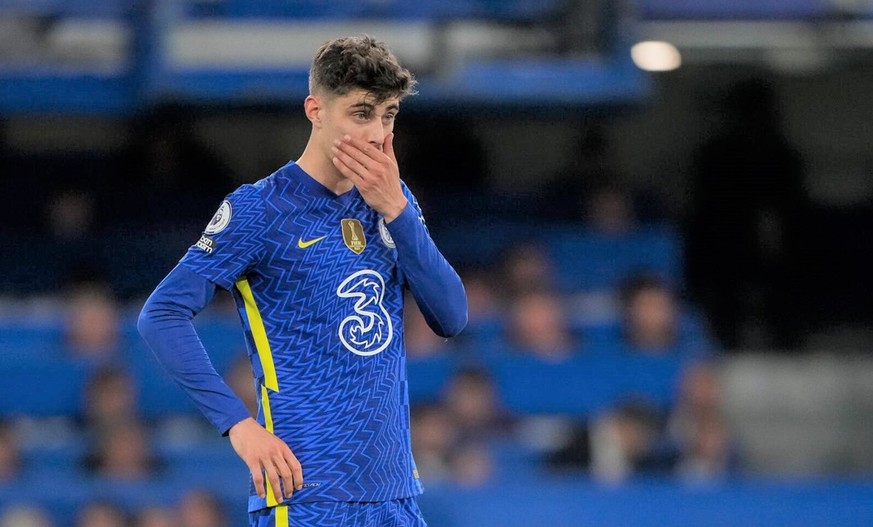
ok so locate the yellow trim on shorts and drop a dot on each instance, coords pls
(282, 516)
(259, 333)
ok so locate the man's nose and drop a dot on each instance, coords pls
(376, 133)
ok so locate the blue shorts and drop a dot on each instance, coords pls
(394, 513)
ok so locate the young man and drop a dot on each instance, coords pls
(317, 257)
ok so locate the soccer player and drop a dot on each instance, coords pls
(317, 257)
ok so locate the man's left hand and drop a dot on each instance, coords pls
(373, 172)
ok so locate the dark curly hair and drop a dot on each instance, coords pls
(344, 64)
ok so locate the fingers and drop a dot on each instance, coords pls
(367, 150)
(347, 172)
(296, 470)
(358, 160)
(388, 147)
(291, 472)
(287, 479)
(258, 480)
(275, 481)
(269, 460)
(287, 471)
(350, 159)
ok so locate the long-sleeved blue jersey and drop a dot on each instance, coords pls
(319, 280)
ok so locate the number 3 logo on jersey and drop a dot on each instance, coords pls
(368, 330)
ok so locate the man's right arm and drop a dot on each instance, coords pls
(166, 324)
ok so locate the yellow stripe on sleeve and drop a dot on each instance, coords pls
(256, 325)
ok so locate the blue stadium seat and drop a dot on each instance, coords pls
(572, 502)
(586, 384)
(61, 459)
(692, 341)
(301, 9)
(589, 261)
(210, 461)
(482, 242)
(69, 8)
(26, 341)
(737, 9)
(428, 376)
(66, 456)
(45, 388)
(382, 9)
(578, 387)
(514, 460)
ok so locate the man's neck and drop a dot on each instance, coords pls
(321, 169)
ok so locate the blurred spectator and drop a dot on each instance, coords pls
(434, 435)
(592, 166)
(574, 453)
(471, 465)
(25, 516)
(650, 314)
(526, 268)
(121, 450)
(482, 303)
(241, 380)
(651, 320)
(101, 514)
(109, 397)
(610, 211)
(450, 440)
(472, 402)
(699, 394)
(625, 443)
(696, 427)
(201, 508)
(538, 325)
(707, 454)
(10, 454)
(71, 214)
(746, 222)
(92, 324)
(155, 517)
(485, 324)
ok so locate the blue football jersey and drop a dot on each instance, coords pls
(320, 295)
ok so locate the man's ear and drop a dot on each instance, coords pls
(313, 107)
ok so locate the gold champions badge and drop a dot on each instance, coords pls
(353, 235)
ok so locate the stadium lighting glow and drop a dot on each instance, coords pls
(653, 55)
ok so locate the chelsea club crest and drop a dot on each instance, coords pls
(386, 236)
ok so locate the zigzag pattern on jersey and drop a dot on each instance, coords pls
(345, 416)
(239, 245)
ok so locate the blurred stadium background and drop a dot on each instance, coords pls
(661, 208)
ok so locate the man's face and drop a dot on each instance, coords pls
(357, 115)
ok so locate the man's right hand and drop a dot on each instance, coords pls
(263, 453)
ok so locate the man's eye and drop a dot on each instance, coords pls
(390, 117)
(361, 115)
